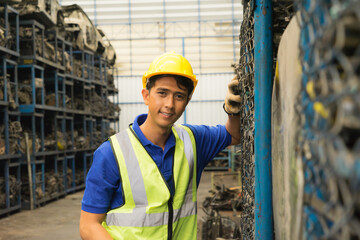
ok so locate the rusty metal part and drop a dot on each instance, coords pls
(52, 142)
(77, 67)
(15, 133)
(44, 11)
(10, 91)
(84, 33)
(25, 191)
(109, 52)
(37, 144)
(9, 40)
(97, 104)
(79, 177)
(216, 226)
(97, 73)
(14, 191)
(54, 184)
(68, 67)
(82, 142)
(110, 80)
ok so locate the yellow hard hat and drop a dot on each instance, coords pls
(170, 63)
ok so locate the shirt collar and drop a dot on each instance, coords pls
(140, 119)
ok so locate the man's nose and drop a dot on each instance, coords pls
(170, 101)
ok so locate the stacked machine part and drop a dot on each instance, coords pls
(315, 116)
(57, 100)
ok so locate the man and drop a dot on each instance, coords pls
(143, 181)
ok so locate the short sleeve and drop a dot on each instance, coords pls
(102, 182)
(210, 140)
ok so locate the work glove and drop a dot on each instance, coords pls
(232, 100)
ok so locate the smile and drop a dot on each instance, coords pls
(166, 114)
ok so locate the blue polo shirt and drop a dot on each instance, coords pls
(103, 186)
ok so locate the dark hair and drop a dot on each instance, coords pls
(182, 82)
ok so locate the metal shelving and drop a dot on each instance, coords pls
(10, 185)
(222, 161)
(113, 97)
(35, 48)
(11, 31)
(10, 173)
(52, 92)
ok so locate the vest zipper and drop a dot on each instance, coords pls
(170, 202)
(171, 212)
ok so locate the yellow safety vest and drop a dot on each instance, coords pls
(149, 210)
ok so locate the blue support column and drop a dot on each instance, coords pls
(199, 37)
(233, 30)
(130, 47)
(263, 55)
(183, 53)
(164, 17)
(6, 130)
(95, 20)
(7, 185)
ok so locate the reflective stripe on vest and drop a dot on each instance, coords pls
(146, 193)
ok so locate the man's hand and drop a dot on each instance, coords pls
(232, 100)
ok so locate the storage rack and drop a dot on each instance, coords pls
(222, 161)
(113, 95)
(52, 100)
(10, 175)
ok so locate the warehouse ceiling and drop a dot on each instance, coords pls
(205, 31)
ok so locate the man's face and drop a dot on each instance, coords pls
(166, 102)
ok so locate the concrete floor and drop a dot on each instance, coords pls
(59, 220)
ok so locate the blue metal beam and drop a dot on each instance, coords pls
(130, 39)
(233, 29)
(263, 68)
(159, 38)
(95, 11)
(192, 101)
(164, 13)
(222, 20)
(199, 32)
(203, 74)
(183, 53)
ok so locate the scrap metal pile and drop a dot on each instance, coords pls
(15, 134)
(73, 25)
(25, 190)
(56, 88)
(215, 225)
(14, 190)
(10, 91)
(7, 33)
(42, 46)
(54, 183)
(329, 106)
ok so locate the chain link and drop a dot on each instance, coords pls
(245, 73)
(329, 109)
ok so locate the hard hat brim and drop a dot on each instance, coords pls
(147, 76)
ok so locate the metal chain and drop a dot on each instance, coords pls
(329, 105)
(245, 72)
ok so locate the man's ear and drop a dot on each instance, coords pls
(145, 93)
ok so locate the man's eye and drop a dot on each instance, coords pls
(161, 93)
(180, 97)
